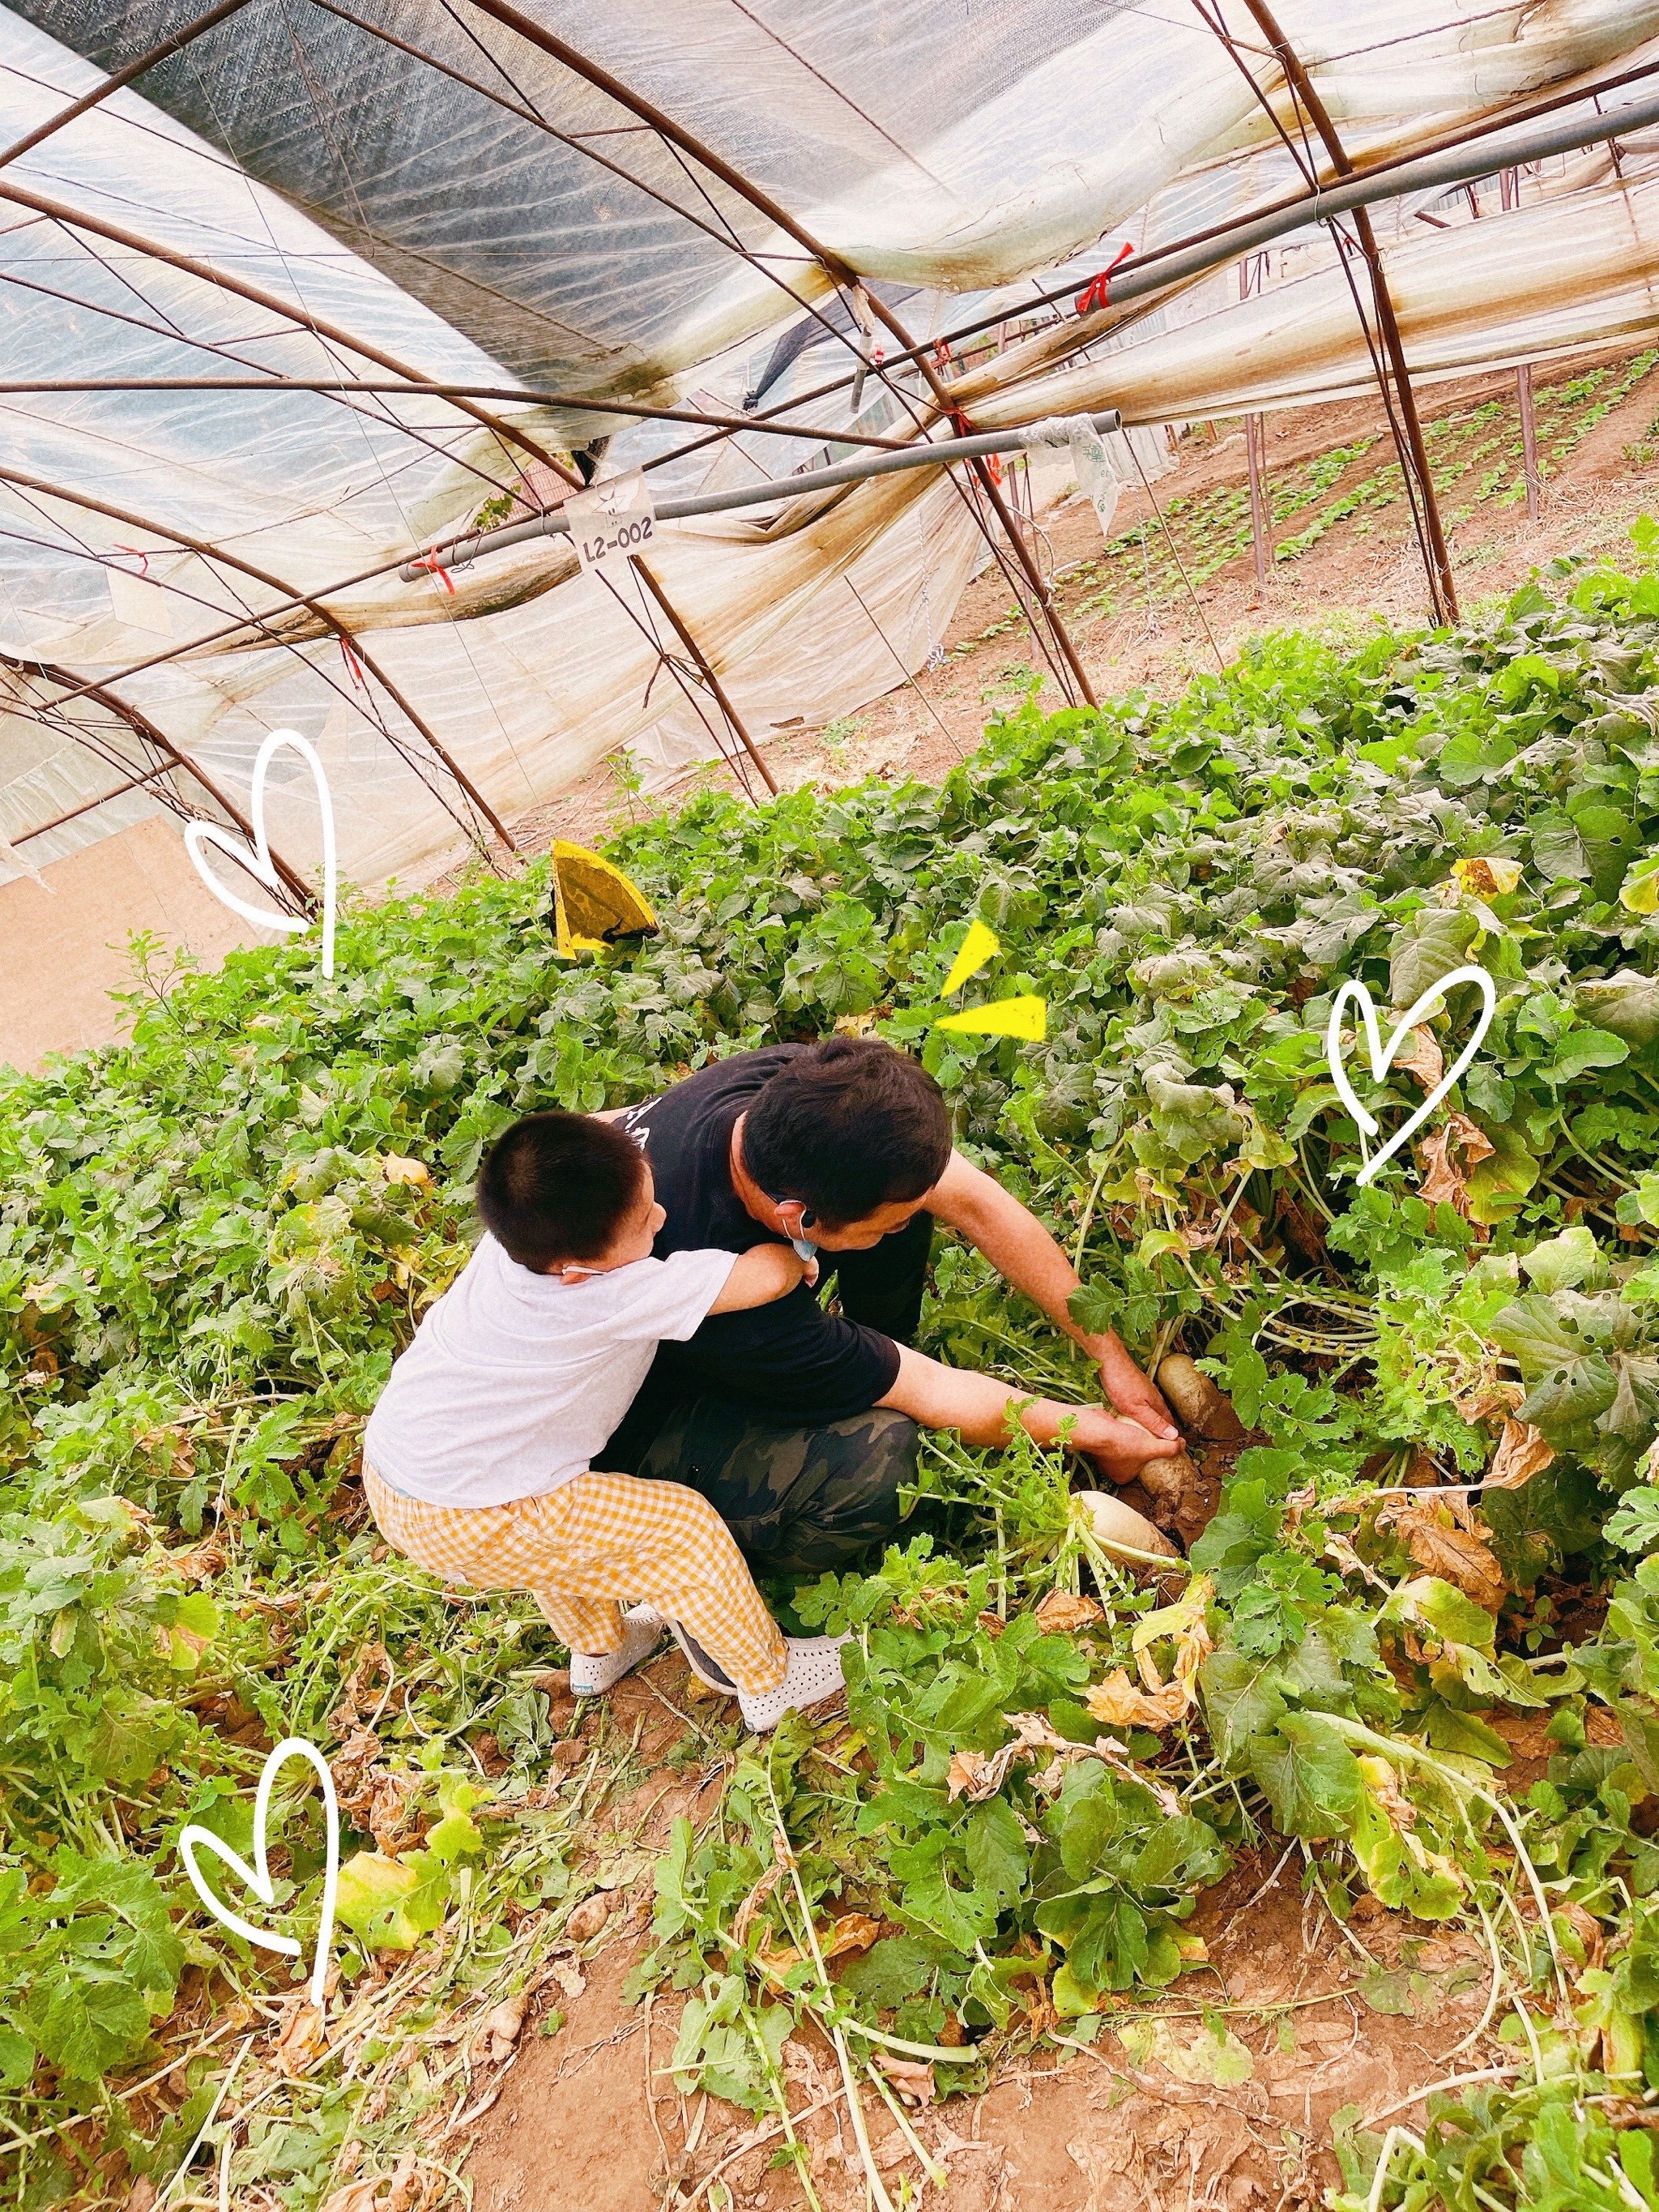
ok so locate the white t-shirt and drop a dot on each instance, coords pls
(516, 1380)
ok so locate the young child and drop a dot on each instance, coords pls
(476, 1458)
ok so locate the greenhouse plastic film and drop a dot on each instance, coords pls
(461, 239)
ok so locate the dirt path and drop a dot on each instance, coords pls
(1222, 2099)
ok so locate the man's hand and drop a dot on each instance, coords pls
(1022, 1251)
(980, 1409)
(1135, 1396)
(1120, 1449)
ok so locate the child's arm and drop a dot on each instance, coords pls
(763, 1273)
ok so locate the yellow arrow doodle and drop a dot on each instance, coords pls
(1026, 1017)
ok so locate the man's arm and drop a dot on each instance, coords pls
(1021, 1250)
(977, 1407)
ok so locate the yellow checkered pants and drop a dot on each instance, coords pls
(580, 1549)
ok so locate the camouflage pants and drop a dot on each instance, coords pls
(798, 1500)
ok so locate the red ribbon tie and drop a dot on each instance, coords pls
(1097, 292)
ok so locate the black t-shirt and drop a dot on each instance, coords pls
(789, 1361)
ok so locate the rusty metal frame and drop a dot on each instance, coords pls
(710, 678)
(274, 303)
(175, 42)
(1144, 265)
(527, 113)
(1144, 270)
(364, 350)
(147, 732)
(340, 390)
(317, 606)
(839, 271)
(333, 388)
(1406, 427)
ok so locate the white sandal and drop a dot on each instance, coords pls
(593, 1673)
(813, 1675)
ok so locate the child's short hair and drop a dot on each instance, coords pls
(557, 1186)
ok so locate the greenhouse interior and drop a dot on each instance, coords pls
(1012, 646)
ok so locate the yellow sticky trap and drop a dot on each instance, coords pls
(1015, 1017)
(594, 905)
(976, 948)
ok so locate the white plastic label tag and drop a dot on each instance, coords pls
(611, 520)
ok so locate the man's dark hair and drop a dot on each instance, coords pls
(558, 1187)
(845, 1127)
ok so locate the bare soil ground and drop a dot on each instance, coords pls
(1325, 2017)
(1320, 2019)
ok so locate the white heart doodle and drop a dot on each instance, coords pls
(257, 1877)
(1381, 1055)
(258, 862)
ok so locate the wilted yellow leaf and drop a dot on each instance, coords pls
(1443, 1177)
(1181, 1623)
(1522, 1452)
(853, 1931)
(302, 2040)
(1492, 877)
(1454, 1554)
(1062, 1614)
(398, 1170)
(912, 2080)
(1419, 1054)
(1121, 1703)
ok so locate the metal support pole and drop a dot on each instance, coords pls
(1528, 441)
(1052, 619)
(1035, 578)
(1613, 147)
(1252, 274)
(841, 272)
(332, 387)
(332, 622)
(91, 805)
(172, 44)
(1509, 186)
(137, 721)
(1255, 440)
(1443, 588)
(708, 675)
(152, 249)
(1408, 434)
(938, 453)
